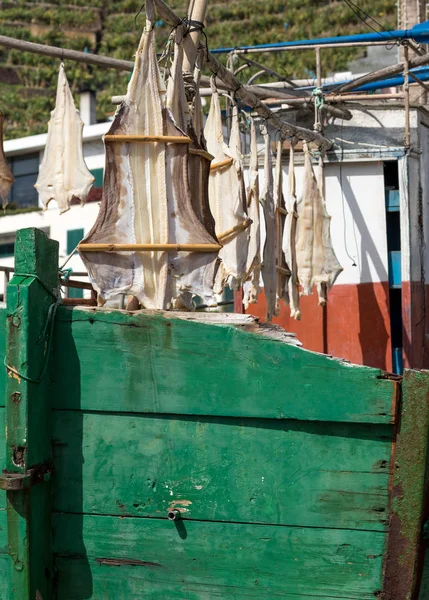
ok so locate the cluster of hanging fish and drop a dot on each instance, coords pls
(186, 189)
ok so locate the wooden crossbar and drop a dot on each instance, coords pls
(222, 164)
(149, 247)
(146, 139)
(236, 229)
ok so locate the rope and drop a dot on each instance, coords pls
(48, 327)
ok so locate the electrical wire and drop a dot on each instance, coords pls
(358, 12)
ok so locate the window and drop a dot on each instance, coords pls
(25, 170)
(98, 175)
(74, 236)
(7, 249)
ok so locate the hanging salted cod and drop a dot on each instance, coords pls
(227, 195)
(63, 174)
(315, 256)
(269, 267)
(251, 287)
(6, 177)
(199, 159)
(134, 203)
(326, 266)
(283, 273)
(193, 273)
(288, 244)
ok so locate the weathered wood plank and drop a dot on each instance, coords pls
(165, 365)
(3, 314)
(402, 567)
(241, 470)
(238, 559)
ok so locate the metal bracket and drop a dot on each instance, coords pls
(15, 482)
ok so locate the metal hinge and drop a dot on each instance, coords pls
(14, 482)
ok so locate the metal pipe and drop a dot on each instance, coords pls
(419, 33)
(269, 71)
(256, 75)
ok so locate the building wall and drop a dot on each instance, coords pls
(355, 324)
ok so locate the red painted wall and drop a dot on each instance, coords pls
(355, 324)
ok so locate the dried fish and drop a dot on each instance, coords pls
(6, 177)
(63, 174)
(269, 268)
(251, 287)
(326, 266)
(316, 260)
(227, 195)
(283, 274)
(134, 204)
(193, 272)
(288, 243)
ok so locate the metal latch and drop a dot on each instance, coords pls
(14, 482)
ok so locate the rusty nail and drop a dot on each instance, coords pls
(16, 321)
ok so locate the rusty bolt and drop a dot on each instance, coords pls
(16, 321)
(16, 397)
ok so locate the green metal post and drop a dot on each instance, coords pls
(31, 298)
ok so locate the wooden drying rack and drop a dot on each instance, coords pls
(166, 139)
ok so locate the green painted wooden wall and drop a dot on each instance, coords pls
(279, 460)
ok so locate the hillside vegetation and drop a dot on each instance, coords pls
(27, 91)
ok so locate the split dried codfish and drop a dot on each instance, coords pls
(134, 204)
(283, 274)
(63, 174)
(227, 195)
(199, 159)
(6, 177)
(269, 268)
(326, 267)
(288, 244)
(316, 260)
(193, 273)
(251, 287)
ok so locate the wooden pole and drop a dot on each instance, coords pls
(63, 54)
(149, 247)
(197, 12)
(382, 74)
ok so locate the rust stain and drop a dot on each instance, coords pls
(118, 562)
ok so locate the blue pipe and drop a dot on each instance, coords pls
(419, 33)
(421, 72)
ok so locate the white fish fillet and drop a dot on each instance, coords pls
(227, 195)
(134, 203)
(63, 174)
(288, 244)
(316, 260)
(326, 266)
(6, 177)
(251, 287)
(282, 277)
(269, 269)
(193, 272)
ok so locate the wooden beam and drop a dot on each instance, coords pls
(382, 74)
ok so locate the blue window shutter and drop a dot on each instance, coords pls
(74, 236)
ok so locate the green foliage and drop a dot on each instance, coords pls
(111, 28)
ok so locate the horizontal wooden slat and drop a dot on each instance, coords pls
(241, 470)
(112, 557)
(110, 360)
